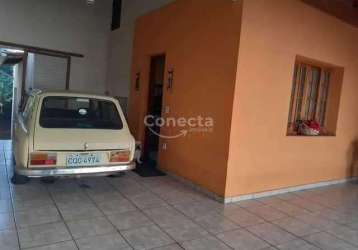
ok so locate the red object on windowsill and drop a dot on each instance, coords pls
(309, 127)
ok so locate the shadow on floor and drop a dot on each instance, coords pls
(148, 169)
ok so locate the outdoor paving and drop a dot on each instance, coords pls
(131, 212)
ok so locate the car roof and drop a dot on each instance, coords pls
(45, 93)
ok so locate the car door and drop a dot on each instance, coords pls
(22, 133)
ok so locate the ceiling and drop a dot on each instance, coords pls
(346, 10)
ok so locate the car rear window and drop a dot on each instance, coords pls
(79, 113)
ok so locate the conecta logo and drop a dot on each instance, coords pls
(183, 125)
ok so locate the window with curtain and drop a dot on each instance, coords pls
(309, 96)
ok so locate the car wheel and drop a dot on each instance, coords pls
(18, 179)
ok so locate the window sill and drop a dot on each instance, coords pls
(321, 135)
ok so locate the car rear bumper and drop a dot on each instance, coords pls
(82, 171)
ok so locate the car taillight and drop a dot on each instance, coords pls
(120, 156)
(43, 159)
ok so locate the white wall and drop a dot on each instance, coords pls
(17, 73)
(50, 69)
(30, 71)
(121, 44)
(68, 25)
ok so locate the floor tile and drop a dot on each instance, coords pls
(127, 187)
(328, 242)
(353, 225)
(104, 242)
(344, 233)
(147, 200)
(5, 194)
(297, 245)
(288, 208)
(271, 233)
(128, 220)
(96, 185)
(44, 234)
(79, 210)
(5, 206)
(106, 196)
(341, 216)
(186, 230)
(71, 197)
(306, 194)
(41, 201)
(90, 227)
(317, 221)
(146, 237)
(8, 240)
(67, 245)
(326, 218)
(249, 203)
(229, 209)
(197, 209)
(243, 240)
(307, 204)
(177, 196)
(116, 206)
(27, 193)
(216, 223)
(287, 196)
(244, 218)
(296, 227)
(166, 216)
(207, 243)
(169, 247)
(37, 216)
(267, 212)
(270, 200)
(6, 221)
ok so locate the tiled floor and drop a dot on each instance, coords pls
(131, 212)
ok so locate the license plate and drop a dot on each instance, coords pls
(83, 159)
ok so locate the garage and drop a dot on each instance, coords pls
(187, 124)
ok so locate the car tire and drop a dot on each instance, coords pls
(18, 179)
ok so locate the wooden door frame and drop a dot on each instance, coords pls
(145, 148)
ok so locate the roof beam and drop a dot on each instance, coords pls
(40, 50)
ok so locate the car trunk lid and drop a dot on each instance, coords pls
(80, 139)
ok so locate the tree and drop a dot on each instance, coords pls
(6, 85)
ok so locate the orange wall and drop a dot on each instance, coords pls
(200, 39)
(261, 156)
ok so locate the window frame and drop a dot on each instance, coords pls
(303, 96)
(115, 105)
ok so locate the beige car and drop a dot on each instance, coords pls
(70, 134)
